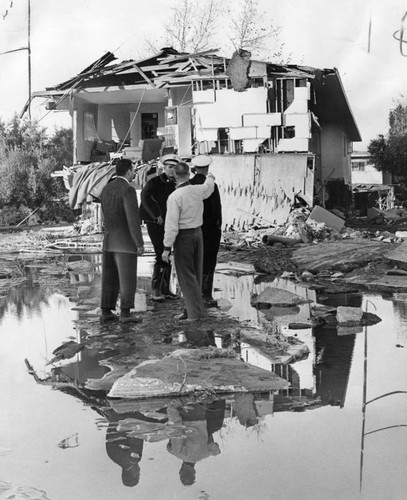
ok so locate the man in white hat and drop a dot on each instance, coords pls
(183, 233)
(211, 227)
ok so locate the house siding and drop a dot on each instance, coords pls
(335, 154)
(260, 185)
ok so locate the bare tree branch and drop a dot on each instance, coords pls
(192, 25)
(250, 30)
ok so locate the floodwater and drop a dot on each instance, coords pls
(322, 439)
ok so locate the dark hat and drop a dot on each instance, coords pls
(201, 161)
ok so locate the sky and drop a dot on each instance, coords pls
(68, 35)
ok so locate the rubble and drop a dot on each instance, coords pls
(349, 315)
(274, 297)
(328, 255)
(185, 371)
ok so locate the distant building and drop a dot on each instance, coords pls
(371, 188)
(364, 172)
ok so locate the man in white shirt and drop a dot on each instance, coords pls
(183, 232)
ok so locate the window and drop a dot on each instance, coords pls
(89, 128)
(358, 166)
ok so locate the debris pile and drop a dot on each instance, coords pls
(307, 226)
(301, 226)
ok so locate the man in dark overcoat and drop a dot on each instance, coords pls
(122, 244)
(211, 227)
(153, 210)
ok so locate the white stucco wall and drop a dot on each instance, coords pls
(120, 114)
(82, 148)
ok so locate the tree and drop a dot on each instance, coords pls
(389, 154)
(60, 147)
(192, 26)
(250, 30)
(28, 156)
(197, 25)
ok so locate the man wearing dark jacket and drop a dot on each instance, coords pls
(211, 227)
(122, 243)
(153, 211)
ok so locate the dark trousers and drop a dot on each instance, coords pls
(211, 240)
(188, 258)
(119, 276)
(156, 234)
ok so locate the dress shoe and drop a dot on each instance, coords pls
(192, 320)
(108, 316)
(130, 318)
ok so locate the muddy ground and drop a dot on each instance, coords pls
(335, 266)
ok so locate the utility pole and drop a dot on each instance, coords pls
(29, 58)
(28, 49)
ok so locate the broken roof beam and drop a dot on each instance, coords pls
(189, 79)
(158, 67)
(95, 68)
(181, 74)
(146, 78)
(290, 74)
(186, 55)
(186, 78)
(209, 64)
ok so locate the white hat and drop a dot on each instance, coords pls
(170, 158)
(201, 161)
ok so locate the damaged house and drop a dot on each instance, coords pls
(277, 134)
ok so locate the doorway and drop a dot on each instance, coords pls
(149, 124)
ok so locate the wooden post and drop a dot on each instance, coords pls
(29, 59)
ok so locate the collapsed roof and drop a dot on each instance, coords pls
(170, 68)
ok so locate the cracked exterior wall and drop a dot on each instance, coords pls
(247, 124)
(260, 185)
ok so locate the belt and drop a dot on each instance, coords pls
(192, 230)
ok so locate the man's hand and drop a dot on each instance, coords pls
(140, 251)
(166, 256)
(160, 220)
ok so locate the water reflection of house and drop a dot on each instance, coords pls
(400, 312)
(332, 366)
(239, 286)
(84, 365)
(324, 374)
(274, 131)
(334, 352)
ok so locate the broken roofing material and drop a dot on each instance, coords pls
(186, 371)
(211, 79)
(190, 101)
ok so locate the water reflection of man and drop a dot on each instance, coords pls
(125, 451)
(201, 421)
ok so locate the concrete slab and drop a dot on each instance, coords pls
(398, 255)
(391, 283)
(277, 297)
(347, 315)
(189, 370)
(343, 255)
(319, 214)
